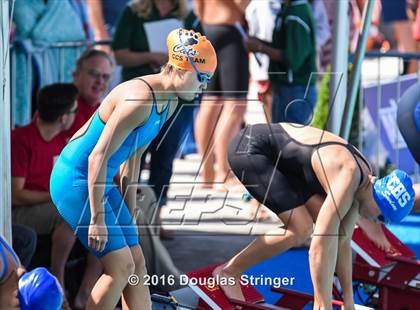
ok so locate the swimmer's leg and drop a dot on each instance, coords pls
(136, 295)
(298, 228)
(227, 127)
(205, 126)
(118, 266)
(63, 240)
(92, 273)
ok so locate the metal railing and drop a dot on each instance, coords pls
(30, 66)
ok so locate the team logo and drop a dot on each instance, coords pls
(188, 41)
(397, 190)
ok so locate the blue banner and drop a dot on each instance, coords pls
(392, 147)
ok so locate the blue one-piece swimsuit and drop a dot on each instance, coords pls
(69, 186)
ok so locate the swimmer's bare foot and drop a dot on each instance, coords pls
(375, 233)
(207, 180)
(207, 175)
(229, 184)
(205, 185)
(231, 291)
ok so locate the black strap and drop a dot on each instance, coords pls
(354, 151)
(150, 87)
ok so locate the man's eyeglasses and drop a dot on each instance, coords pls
(97, 75)
(201, 77)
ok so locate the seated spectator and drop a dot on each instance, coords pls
(91, 77)
(34, 149)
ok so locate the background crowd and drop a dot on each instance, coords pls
(267, 48)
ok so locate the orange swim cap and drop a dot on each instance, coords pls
(200, 51)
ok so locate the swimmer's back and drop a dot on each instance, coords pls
(310, 135)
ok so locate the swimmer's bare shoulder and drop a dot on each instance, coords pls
(310, 135)
(334, 158)
(134, 96)
(133, 93)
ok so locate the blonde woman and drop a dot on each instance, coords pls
(130, 42)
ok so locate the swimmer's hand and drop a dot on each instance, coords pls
(97, 235)
(375, 233)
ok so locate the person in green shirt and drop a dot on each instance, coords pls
(292, 62)
(130, 44)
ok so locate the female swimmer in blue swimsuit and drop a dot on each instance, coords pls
(113, 140)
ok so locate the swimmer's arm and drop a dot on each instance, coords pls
(130, 173)
(324, 245)
(24, 197)
(122, 121)
(344, 256)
